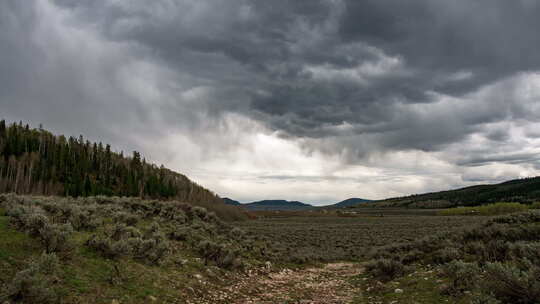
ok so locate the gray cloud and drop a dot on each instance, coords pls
(344, 78)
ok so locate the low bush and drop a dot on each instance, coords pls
(535, 205)
(184, 233)
(34, 221)
(110, 248)
(126, 218)
(520, 218)
(385, 269)
(511, 284)
(220, 254)
(412, 257)
(56, 238)
(446, 255)
(83, 219)
(525, 251)
(462, 275)
(34, 284)
(152, 249)
(126, 241)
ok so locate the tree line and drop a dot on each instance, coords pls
(34, 161)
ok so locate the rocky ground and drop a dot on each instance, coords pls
(329, 284)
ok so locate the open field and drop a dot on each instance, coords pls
(332, 238)
(125, 250)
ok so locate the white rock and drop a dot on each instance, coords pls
(398, 290)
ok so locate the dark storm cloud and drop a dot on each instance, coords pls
(350, 76)
(325, 63)
(47, 77)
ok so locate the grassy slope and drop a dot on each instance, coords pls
(15, 249)
(86, 276)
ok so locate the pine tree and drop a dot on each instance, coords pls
(36, 161)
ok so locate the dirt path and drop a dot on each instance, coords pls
(326, 285)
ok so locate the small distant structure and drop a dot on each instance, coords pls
(346, 213)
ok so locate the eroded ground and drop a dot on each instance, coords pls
(328, 284)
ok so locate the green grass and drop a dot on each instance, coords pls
(15, 249)
(422, 286)
(535, 205)
(88, 276)
(15, 246)
(486, 210)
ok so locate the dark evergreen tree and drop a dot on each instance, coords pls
(34, 161)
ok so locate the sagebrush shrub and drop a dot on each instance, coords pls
(520, 218)
(181, 234)
(412, 256)
(34, 284)
(173, 212)
(510, 284)
(27, 218)
(126, 218)
(84, 219)
(484, 299)
(56, 238)
(525, 251)
(108, 247)
(124, 241)
(237, 233)
(219, 254)
(121, 231)
(33, 223)
(463, 275)
(496, 250)
(446, 255)
(200, 212)
(385, 269)
(153, 249)
(535, 205)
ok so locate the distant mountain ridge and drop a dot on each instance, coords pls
(284, 205)
(349, 202)
(526, 190)
(277, 205)
(231, 202)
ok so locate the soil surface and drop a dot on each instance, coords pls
(329, 284)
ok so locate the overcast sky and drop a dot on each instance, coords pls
(311, 100)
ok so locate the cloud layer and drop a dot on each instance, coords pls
(311, 100)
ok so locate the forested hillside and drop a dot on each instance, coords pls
(525, 191)
(34, 161)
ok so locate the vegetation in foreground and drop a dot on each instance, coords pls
(65, 250)
(99, 249)
(495, 262)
